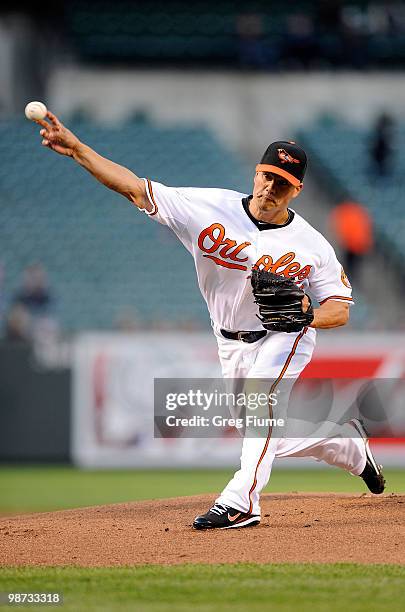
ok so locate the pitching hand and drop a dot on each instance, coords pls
(57, 137)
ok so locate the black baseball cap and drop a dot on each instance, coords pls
(286, 159)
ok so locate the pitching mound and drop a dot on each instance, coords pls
(295, 528)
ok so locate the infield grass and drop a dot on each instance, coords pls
(216, 588)
(33, 489)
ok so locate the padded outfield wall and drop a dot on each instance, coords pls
(100, 411)
(115, 397)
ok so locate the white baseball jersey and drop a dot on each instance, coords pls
(226, 242)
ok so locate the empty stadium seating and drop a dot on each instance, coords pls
(281, 34)
(103, 256)
(341, 151)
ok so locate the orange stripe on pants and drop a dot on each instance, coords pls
(274, 385)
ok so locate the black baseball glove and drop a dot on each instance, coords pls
(280, 302)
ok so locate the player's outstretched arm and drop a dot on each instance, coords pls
(57, 137)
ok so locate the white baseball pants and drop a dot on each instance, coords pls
(278, 356)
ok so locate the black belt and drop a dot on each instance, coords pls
(244, 336)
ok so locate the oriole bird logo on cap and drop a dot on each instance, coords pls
(286, 157)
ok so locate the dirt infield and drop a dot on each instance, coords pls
(295, 528)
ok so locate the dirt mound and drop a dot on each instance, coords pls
(295, 528)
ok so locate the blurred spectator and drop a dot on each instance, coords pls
(36, 298)
(251, 45)
(354, 37)
(328, 18)
(301, 48)
(395, 16)
(18, 324)
(34, 293)
(353, 227)
(382, 146)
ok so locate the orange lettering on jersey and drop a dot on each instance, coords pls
(226, 264)
(209, 233)
(238, 250)
(306, 270)
(228, 245)
(292, 269)
(282, 261)
(212, 238)
(266, 261)
(224, 252)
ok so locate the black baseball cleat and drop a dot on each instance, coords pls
(225, 517)
(372, 473)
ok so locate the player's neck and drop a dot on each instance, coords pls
(274, 216)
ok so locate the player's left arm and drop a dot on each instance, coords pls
(329, 285)
(330, 314)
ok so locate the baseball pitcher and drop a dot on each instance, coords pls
(256, 258)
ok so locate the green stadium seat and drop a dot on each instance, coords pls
(100, 251)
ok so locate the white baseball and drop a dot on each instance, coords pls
(35, 111)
